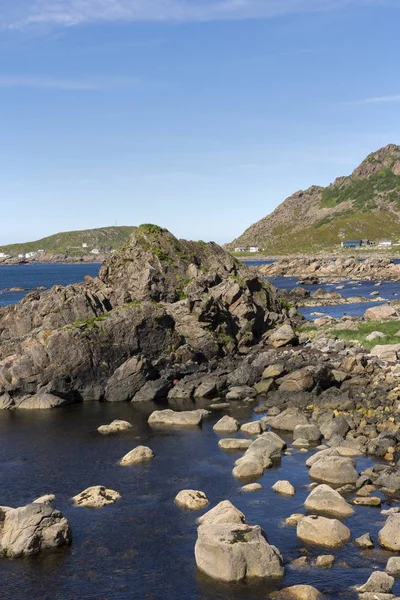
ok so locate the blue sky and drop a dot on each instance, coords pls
(199, 115)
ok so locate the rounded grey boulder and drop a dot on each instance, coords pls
(31, 529)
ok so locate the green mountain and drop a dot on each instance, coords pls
(364, 205)
(72, 243)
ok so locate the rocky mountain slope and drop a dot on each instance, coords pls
(70, 242)
(364, 205)
(157, 302)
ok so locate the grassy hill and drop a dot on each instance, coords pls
(70, 242)
(363, 205)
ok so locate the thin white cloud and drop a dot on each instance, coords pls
(379, 100)
(20, 13)
(78, 85)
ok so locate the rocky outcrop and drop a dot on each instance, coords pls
(31, 529)
(158, 297)
(322, 531)
(139, 454)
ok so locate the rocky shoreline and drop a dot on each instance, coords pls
(179, 323)
(48, 258)
(378, 268)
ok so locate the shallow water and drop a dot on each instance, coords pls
(142, 546)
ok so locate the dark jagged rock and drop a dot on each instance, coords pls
(157, 302)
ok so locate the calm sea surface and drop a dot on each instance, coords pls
(142, 546)
(30, 277)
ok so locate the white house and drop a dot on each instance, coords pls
(30, 254)
(4, 255)
(385, 243)
(20, 256)
(84, 245)
(95, 251)
(241, 249)
(254, 249)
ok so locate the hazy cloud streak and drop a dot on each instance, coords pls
(18, 14)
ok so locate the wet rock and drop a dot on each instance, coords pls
(192, 499)
(325, 561)
(302, 561)
(234, 444)
(322, 531)
(323, 499)
(285, 488)
(233, 552)
(393, 566)
(368, 501)
(283, 336)
(226, 425)
(297, 592)
(294, 519)
(114, 427)
(364, 541)
(252, 487)
(41, 401)
(379, 582)
(335, 470)
(137, 455)
(31, 529)
(170, 417)
(389, 535)
(96, 496)
(253, 428)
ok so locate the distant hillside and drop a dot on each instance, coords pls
(364, 205)
(104, 239)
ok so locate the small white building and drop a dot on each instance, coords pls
(385, 243)
(254, 249)
(30, 254)
(241, 249)
(95, 251)
(20, 256)
(4, 255)
(84, 245)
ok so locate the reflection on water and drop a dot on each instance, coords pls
(142, 546)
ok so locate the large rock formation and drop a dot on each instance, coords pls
(156, 297)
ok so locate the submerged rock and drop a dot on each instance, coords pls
(297, 592)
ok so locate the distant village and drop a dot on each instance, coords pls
(37, 253)
(363, 243)
(380, 245)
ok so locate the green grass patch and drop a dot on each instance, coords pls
(389, 328)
